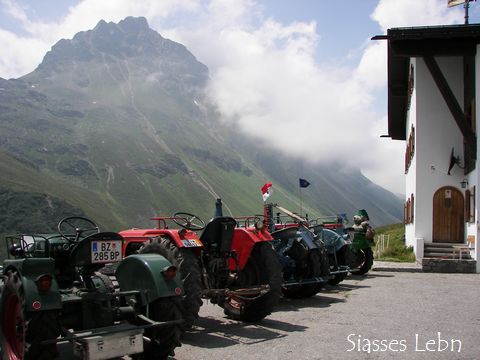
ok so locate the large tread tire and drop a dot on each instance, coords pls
(262, 268)
(22, 333)
(163, 340)
(315, 269)
(367, 263)
(190, 273)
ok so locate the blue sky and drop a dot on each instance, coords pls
(343, 24)
(276, 66)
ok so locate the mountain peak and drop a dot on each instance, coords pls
(134, 24)
(130, 25)
(130, 38)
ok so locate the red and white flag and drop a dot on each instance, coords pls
(266, 191)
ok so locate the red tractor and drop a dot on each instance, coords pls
(232, 265)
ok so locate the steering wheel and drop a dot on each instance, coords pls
(76, 228)
(253, 220)
(188, 221)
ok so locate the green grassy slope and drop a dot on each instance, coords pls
(396, 250)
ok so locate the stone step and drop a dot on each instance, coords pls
(438, 249)
(446, 251)
(448, 265)
(439, 255)
(444, 244)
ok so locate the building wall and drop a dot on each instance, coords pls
(410, 180)
(435, 134)
(475, 175)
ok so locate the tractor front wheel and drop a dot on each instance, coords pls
(23, 333)
(262, 268)
(187, 264)
(163, 340)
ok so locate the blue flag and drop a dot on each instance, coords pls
(303, 183)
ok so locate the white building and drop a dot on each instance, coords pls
(433, 79)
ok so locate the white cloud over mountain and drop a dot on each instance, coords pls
(264, 73)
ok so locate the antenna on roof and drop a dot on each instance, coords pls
(466, 4)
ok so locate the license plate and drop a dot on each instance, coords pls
(106, 251)
(191, 243)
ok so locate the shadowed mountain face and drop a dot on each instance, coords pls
(114, 123)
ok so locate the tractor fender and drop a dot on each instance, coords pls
(308, 240)
(30, 269)
(244, 239)
(334, 244)
(143, 272)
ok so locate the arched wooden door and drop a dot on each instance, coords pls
(448, 215)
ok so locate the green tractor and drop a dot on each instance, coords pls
(74, 287)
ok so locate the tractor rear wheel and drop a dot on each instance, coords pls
(262, 268)
(163, 340)
(22, 332)
(314, 269)
(187, 264)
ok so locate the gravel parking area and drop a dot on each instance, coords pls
(384, 315)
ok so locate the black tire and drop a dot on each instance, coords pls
(325, 266)
(336, 261)
(314, 268)
(337, 279)
(22, 333)
(187, 264)
(163, 340)
(367, 262)
(262, 268)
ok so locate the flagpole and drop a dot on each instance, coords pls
(301, 202)
(301, 184)
(467, 2)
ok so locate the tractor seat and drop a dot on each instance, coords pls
(218, 234)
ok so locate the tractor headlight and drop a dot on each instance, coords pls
(44, 283)
(169, 272)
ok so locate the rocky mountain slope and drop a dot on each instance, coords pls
(114, 124)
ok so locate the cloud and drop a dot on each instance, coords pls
(405, 13)
(19, 54)
(264, 73)
(266, 78)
